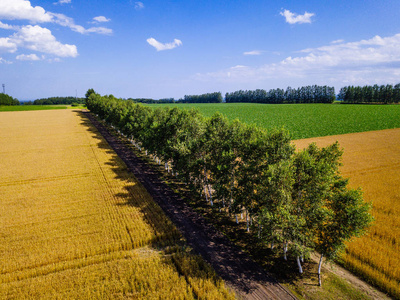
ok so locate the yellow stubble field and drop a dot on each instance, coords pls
(75, 224)
(372, 161)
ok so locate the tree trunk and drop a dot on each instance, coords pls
(319, 270)
(209, 194)
(285, 251)
(247, 221)
(299, 265)
(205, 193)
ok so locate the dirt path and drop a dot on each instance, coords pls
(353, 280)
(239, 271)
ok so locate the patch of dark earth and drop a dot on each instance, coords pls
(248, 279)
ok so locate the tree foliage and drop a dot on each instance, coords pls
(58, 100)
(8, 100)
(370, 94)
(204, 98)
(305, 94)
(296, 199)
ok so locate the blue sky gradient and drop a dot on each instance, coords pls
(161, 49)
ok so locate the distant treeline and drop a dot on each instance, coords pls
(305, 94)
(152, 101)
(204, 98)
(370, 94)
(8, 100)
(59, 100)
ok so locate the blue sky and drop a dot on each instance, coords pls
(161, 49)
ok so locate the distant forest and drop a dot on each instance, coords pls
(305, 94)
(7, 100)
(59, 100)
(204, 98)
(370, 94)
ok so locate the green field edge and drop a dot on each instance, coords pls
(304, 120)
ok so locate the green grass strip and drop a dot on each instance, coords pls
(30, 107)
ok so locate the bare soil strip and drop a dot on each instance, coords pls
(238, 270)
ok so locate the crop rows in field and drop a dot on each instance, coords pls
(372, 161)
(306, 120)
(76, 224)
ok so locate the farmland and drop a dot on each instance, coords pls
(372, 160)
(76, 224)
(306, 120)
(31, 107)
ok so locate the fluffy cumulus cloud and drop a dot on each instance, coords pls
(293, 18)
(361, 62)
(38, 39)
(101, 19)
(23, 10)
(167, 46)
(31, 57)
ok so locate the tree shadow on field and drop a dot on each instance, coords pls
(145, 192)
(134, 193)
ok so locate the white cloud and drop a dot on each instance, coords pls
(7, 26)
(167, 46)
(139, 5)
(69, 22)
(27, 57)
(254, 52)
(361, 62)
(23, 10)
(3, 61)
(7, 45)
(101, 19)
(38, 39)
(337, 42)
(293, 18)
(62, 2)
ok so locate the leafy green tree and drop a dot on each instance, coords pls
(8, 100)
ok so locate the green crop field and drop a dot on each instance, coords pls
(306, 120)
(31, 107)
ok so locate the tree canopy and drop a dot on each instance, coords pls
(296, 199)
(8, 100)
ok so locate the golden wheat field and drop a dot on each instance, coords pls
(74, 224)
(372, 161)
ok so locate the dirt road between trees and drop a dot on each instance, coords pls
(236, 268)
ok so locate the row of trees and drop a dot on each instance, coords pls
(370, 94)
(8, 100)
(305, 94)
(204, 98)
(59, 100)
(152, 101)
(294, 199)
